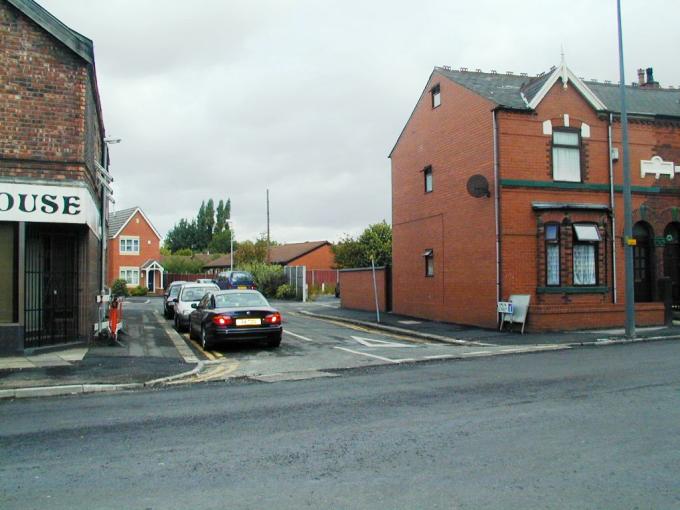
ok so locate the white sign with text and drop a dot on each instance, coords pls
(49, 204)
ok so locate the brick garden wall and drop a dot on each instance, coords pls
(356, 289)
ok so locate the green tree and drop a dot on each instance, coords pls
(221, 242)
(182, 235)
(249, 252)
(209, 221)
(220, 217)
(374, 242)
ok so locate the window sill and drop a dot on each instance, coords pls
(594, 289)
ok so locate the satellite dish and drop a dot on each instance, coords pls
(478, 186)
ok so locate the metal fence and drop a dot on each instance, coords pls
(326, 277)
(296, 277)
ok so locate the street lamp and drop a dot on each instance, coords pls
(627, 199)
(231, 244)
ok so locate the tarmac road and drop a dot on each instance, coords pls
(587, 428)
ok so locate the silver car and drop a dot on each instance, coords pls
(189, 294)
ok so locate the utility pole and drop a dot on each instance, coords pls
(628, 241)
(268, 239)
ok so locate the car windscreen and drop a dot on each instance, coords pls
(239, 277)
(195, 293)
(174, 291)
(240, 300)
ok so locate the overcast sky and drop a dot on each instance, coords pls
(224, 99)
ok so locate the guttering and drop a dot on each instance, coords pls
(496, 199)
(612, 205)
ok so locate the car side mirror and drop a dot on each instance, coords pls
(194, 305)
(173, 300)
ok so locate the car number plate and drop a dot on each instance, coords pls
(248, 322)
(241, 287)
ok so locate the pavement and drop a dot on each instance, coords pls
(329, 309)
(146, 354)
(150, 353)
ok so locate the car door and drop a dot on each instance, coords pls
(196, 316)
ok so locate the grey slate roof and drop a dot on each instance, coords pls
(117, 220)
(506, 91)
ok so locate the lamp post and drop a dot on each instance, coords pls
(231, 244)
(627, 199)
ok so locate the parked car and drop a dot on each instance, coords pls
(171, 293)
(189, 294)
(235, 315)
(205, 280)
(236, 280)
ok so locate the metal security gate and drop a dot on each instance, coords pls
(51, 286)
(296, 277)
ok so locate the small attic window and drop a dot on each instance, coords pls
(436, 96)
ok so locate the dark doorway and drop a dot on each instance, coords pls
(150, 279)
(642, 262)
(671, 258)
(51, 305)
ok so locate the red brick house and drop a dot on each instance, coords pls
(509, 184)
(312, 254)
(53, 181)
(134, 250)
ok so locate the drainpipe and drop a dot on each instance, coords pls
(612, 204)
(496, 206)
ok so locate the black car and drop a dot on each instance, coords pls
(236, 280)
(170, 294)
(234, 315)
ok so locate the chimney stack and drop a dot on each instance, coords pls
(650, 83)
(641, 77)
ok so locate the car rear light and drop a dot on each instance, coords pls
(222, 320)
(253, 286)
(273, 318)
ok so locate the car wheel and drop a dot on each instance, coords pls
(178, 324)
(192, 336)
(205, 343)
(275, 342)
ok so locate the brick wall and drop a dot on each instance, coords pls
(456, 140)
(46, 101)
(149, 248)
(356, 289)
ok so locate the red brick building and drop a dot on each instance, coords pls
(508, 184)
(134, 250)
(53, 181)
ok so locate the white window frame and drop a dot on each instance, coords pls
(428, 255)
(133, 274)
(428, 178)
(585, 253)
(436, 93)
(126, 245)
(564, 167)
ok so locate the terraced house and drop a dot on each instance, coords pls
(509, 184)
(53, 181)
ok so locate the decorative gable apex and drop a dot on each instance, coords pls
(566, 75)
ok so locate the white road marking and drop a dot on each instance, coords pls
(328, 306)
(372, 342)
(440, 356)
(289, 332)
(369, 355)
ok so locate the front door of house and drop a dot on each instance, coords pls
(671, 259)
(150, 278)
(642, 263)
